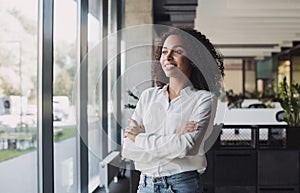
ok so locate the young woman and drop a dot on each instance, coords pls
(171, 121)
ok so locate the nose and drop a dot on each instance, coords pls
(170, 55)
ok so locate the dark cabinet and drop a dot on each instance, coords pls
(278, 168)
(252, 171)
(261, 162)
(278, 171)
(235, 171)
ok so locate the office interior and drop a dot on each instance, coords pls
(69, 69)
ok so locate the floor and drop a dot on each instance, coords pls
(124, 184)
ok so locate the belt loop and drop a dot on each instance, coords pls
(165, 182)
(145, 183)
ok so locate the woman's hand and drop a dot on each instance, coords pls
(132, 131)
(189, 126)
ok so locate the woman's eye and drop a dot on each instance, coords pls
(178, 51)
(164, 52)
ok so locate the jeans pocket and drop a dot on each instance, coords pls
(187, 186)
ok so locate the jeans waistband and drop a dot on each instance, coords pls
(172, 178)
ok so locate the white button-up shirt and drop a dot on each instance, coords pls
(160, 151)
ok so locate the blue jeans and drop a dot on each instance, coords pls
(185, 182)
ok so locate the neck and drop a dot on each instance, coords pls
(175, 86)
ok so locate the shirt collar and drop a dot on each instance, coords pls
(187, 90)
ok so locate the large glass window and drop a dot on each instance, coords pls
(18, 92)
(112, 76)
(94, 61)
(18, 96)
(102, 67)
(64, 129)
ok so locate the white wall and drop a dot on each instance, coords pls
(233, 80)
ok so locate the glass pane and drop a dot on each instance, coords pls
(112, 77)
(94, 93)
(65, 143)
(18, 96)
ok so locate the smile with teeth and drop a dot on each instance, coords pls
(170, 66)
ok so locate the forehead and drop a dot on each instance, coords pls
(173, 40)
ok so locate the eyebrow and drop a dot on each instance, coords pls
(176, 46)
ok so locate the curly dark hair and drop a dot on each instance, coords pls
(204, 75)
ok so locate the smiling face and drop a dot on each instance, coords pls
(174, 59)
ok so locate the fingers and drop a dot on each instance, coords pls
(129, 133)
(134, 122)
(132, 130)
(142, 127)
(189, 126)
(139, 128)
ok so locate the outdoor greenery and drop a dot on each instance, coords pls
(59, 135)
(8, 89)
(63, 134)
(28, 25)
(65, 69)
(8, 154)
(18, 74)
(19, 63)
(289, 96)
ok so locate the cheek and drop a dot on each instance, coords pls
(186, 60)
(187, 65)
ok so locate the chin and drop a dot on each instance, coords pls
(175, 73)
(169, 74)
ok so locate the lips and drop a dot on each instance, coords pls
(170, 66)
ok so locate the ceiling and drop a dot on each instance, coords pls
(239, 28)
(175, 12)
